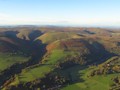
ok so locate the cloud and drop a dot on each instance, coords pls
(7, 19)
(4, 16)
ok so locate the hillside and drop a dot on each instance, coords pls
(59, 58)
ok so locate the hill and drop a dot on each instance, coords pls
(59, 58)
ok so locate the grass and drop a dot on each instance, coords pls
(7, 60)
(53, 36)
(40, 71)
(35, 73)
(94, 83)
(57, 56)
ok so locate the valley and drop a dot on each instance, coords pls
(59, 58)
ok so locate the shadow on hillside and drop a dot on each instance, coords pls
(34, 34)
(29, 48)
(98, 54)
(52, 83)
(75, 74)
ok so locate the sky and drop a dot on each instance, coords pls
(60, 12)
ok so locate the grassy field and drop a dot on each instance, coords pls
(88, 83)
(35, 73)
(7, 60)
(40, 71)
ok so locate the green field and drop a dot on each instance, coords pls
(88, 83)
(7, 60)
(40, 71)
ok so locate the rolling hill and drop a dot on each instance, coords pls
(59, 58)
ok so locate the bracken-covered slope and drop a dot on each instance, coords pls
(59, 58)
